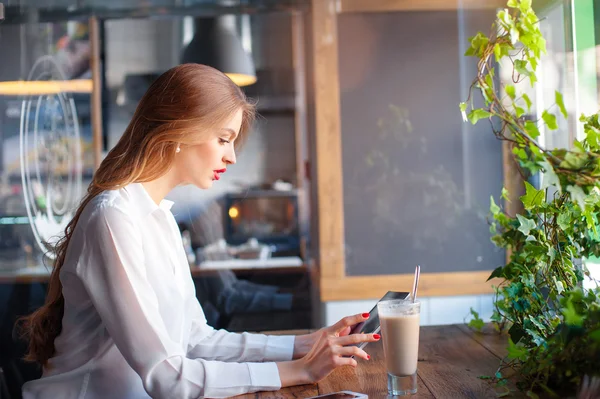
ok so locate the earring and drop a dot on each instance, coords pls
(178, 150)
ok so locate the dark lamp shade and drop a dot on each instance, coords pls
(217, 45)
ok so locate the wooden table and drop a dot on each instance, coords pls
(451, 358)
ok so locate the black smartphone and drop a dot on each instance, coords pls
(371, 325)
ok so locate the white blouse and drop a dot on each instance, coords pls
(132, 325)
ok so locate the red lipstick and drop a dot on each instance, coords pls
(216, 173)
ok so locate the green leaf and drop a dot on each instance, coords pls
(532, 197)
(532, 79)
(463, 109)
(510, 91)
(514, 290)
(559, 101)
(478, 114)
(595, 335)
(505, 194)
(536, 338)
(578, 147)
(560, 287)
(498, 241)
(527, 100)
(512, 4)
(470, 52)
(533, 62)
(478, 44)
(534, 149)
(495, 209)
(525, 6)
(550, 120)
(515, 351)
(564, 220)
(521, 67)
(572, 318)
(532, 395)
(550, 178)
(516, 333)
(536, 323)
(592, 131)
(520, 153)
(519, 111)
(476, 323)
(489, 80)
(514, 35)
(552, 254)
(497, 51)
(505, 19)
(542, 44)
(589, 218)
(498, 272)
(525, 225)
(575, 160)
(577, 195)
(592, 137)
(497, 319)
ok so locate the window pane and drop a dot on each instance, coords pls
(417, 180)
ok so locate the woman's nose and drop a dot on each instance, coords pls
(230, 157)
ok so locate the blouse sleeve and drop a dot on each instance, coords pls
(208, 343)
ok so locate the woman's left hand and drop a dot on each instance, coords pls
(304, 343)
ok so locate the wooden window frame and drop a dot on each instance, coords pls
(334, 284)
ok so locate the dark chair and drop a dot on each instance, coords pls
(3, 386)
(16, 300)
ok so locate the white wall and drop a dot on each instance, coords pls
(140, 46)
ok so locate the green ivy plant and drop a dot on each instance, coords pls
(553, 324)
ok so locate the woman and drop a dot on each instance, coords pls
(121, 319)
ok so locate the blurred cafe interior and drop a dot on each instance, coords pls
(358, 168)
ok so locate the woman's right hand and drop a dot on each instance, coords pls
(333, 348)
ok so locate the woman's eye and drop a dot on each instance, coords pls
(223, 141)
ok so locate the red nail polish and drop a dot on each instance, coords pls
(368, 357)
(365, 315)
(376, 336)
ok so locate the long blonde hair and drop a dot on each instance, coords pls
(181, 107)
